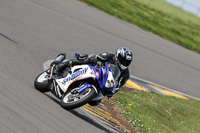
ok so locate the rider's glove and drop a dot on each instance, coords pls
(57, 69)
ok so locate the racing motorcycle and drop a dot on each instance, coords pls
(79, 85)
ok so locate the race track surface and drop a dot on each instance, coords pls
(34, 31)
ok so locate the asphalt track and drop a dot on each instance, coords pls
(33, 31)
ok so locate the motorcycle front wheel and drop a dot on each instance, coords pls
(72, 101)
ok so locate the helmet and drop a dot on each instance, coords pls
(124, 57)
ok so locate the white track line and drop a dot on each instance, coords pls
(149, 82)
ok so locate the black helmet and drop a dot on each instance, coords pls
(124, 57)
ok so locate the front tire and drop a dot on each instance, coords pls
(41, 82)
(69, 101)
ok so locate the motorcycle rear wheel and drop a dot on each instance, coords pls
(69, 103)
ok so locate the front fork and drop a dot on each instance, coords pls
(85, 86)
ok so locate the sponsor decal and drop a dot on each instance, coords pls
(95, 73)
(110, 83)
(75, 75)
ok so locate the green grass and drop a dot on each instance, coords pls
(156, 16)
(150, 112)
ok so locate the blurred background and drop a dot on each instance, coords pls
(192, 6)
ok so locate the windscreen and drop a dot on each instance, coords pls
(115, 71)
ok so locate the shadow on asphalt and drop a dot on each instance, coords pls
(81, 116)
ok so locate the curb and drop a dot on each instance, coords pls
(153, 87)
(105, 118)
(143, 86)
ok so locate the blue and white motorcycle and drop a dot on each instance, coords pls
(80, 84)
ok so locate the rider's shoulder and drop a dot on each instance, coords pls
(126, 70)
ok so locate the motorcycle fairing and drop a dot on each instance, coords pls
(106, 81)
(79, 72)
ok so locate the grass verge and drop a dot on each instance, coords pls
(150, 112)
(156, 16)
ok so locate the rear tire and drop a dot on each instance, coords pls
(41, 82)
(80, 102)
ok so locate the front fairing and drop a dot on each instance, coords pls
(106, 82)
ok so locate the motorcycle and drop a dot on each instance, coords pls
(80, 84)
